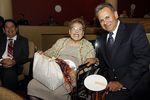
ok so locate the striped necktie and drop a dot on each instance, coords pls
(110, 45)
(10, 48)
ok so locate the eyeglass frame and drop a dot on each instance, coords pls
(77, 28)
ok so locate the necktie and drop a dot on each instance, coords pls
(110, 45)
(10, 48)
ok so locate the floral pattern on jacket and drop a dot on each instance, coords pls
(85, 50)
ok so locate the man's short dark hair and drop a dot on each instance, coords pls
(51, 17)
(81, 15)
(22, 15)
(101, 6)
(9, 20)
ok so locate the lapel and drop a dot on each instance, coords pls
(104, 48)
(16, 46)
(3, 42)
(119, 36)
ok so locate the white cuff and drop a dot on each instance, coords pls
(0, 61)
(96, 62)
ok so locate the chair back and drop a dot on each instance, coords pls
(26, 66)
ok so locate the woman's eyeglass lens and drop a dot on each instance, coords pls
(76, 28)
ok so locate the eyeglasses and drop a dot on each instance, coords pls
(76, 28)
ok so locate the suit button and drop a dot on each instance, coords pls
(115, 77)
(113, 70)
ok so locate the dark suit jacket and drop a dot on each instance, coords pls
(20, 52)
(130, 58)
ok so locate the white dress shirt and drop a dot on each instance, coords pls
(114, 32)
(6, 49)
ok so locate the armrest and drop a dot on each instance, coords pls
(25, 61)
(83, 66)
(27, 67)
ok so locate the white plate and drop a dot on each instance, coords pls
(71, 64)
(95, 82)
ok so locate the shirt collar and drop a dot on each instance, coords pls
(115, 31)
(14, 38)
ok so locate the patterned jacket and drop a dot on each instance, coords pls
(85, 50)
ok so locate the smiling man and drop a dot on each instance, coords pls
(125, 50)
(13, 50)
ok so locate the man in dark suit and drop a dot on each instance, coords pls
(9, 68)
(125, 49)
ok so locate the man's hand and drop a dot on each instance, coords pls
(114, 86)
(91, 61)
(6, 63)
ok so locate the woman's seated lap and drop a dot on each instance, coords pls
(76, 48)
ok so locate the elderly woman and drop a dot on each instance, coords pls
(75, 49)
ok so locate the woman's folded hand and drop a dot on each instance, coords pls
(41, 52)
(73, 76)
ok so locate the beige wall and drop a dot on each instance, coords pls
(113, 2)
(34, 33)
(45, 36)
(6, 10)
(49, 39)
(137, 20)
